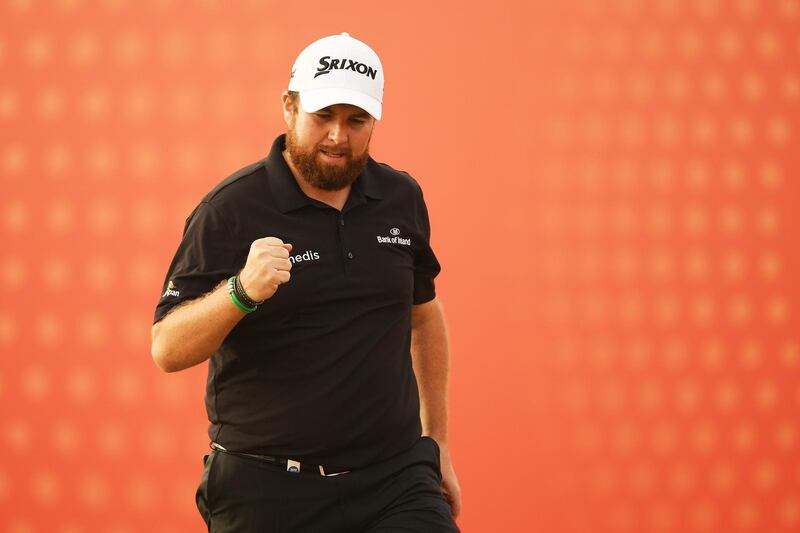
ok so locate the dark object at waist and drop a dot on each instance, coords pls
(289, 465)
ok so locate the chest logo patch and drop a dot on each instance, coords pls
(304, 257)
(394, 238)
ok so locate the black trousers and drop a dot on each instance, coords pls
(242, 494)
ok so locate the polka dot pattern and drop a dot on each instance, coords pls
(642, 324)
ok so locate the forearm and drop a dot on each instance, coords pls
(192, 332)
(430, 357)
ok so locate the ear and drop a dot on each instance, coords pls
(288, 109)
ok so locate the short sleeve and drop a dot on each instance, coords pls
(426, 266)
(206, 256)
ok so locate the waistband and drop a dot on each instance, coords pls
(291, 465)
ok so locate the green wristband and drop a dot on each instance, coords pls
(235, 300)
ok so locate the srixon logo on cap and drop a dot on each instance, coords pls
(327, 64)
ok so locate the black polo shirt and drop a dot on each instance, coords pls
(322, 371)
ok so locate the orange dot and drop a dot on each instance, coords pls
(741, 130)
(34, 383)
(695, 220)
(93, 330)
(768, 220)
(777, 310)
(704, 438)
(95, 104)
(38, 50)
(17, 435)
(81, 385)
(664, 438)
(786, 435)
(653, 44)
(13, 159)
(734, 174)
(59, 216)
(184, 103)
(129, 48)
(158, 442)
(682, 478)
(704, 517)
(57, 160)
(779, 130)
(744, 437)
(733, 266)
(769, 46)
(50, 104)
(13, 273)
(8, 330)
(790, 512)
(790, 87)
(112, 439)
(752, 86)
(750, 354)
(726, 395)
(771, 175)
(56, 273)
(667, 131)
(731, 220)
(723, 478)
(729, 44)
(65, 437)
(141, 493)
(45, 488)
(100, 273)
(666, 310)
(790, 354)
(48, 330)
(188, 160)
(139, 104)
(146, 218)
(175, 48)
(93, 491)
(765, 476)
(712, 353)
(650, 396)
(687, 396)
(747, 8)
(9, 103)
(746, 514)
(715, 86)
(704, 130)
(84, 49)
(127, 387)
(641, 479)
(145, 161)
(102, 216)
(101, 160)
(626, 439)
(740, 310)
(697, 174)
(690, 43)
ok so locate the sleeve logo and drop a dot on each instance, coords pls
(171, 290)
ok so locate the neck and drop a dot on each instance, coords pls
(335, 199)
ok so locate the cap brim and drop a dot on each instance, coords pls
(316, 100)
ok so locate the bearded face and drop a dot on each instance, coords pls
(322, 165)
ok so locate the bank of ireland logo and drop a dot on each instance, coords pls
(395, 238)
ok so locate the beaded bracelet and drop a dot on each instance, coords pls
(235, 299)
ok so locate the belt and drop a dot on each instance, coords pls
(289, 464)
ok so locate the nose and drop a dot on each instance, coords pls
(337, 133)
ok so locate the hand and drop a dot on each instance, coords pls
(450, 486)
(267, 268)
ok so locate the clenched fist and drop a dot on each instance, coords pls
(266, 268)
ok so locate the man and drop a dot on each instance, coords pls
(307, 280)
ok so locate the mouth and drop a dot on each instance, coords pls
(332, 155)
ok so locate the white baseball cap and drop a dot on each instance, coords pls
(338, 69)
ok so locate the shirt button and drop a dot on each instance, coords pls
(350, 255)
(341, 222)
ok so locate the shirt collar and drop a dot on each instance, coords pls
(287, 193)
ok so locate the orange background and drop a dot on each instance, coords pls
(613, 193)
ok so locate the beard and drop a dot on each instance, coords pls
(328, 177)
